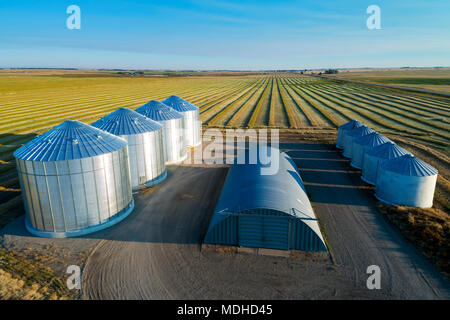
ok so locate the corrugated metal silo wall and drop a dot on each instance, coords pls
(147, 160)
(174, 140)
(70, 195)
(193, 127)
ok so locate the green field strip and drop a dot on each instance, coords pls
(396, 99)
(413, 115)
(304, 112)
(277, 106)
(234, 115)
(393, 99)
(204, 108)
(288, 109)
(89, 97)
(441, 104)
(208, 114)
(41, 107)
(240, 118)
(260, 111)
(320, 111)
(408, 107)
(118, 102)
(381, 119)
(222, 117)
(395, 115)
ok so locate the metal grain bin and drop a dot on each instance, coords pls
(192, 123)
(75, 179)
(363, 144)
(173, 123)
(353, 124)
(265, 211)
(145, 144)
(406, 181)
(374, 157)
(350, 135)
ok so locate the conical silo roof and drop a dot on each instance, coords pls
(179, 104)
(361, 131)
(125, 121)
(158, 111)
(372, 140)
(70, 140)
(351, 124)
(409, 165)
(388, 150)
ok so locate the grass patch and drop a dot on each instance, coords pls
(21, 278)
(430, 81)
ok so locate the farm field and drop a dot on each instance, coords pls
(303, 107)
(435, 79)
(31, 103)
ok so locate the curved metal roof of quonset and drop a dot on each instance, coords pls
(158, 111)
(351, 125)
(372, 139)
(409, 165)
(388, 150)
(179, 104)
(125, 121)
(70, 140)
(246, 189)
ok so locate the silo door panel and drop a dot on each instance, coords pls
(251, 231)
(276, 233)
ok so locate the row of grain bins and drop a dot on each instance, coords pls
(400, 177)
(78, 178)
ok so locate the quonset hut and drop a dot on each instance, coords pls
(353, 124)
(75, 180)
(363, 144)
(375, 156)
(350, 136)
(145, 144)
(192, 123)
(406, 181)
(265, 211)
(173, 123)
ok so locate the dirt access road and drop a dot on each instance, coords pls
(155, 253)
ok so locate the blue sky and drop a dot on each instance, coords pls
(236, 35)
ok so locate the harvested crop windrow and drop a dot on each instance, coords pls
(303, 111)
(239, 119)
(279, 110)
(260, 113)
(221, 98)
(221, 118)
(239, 116)
(224, 103)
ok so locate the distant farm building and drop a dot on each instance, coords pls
(75, 179)
(265, 211)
